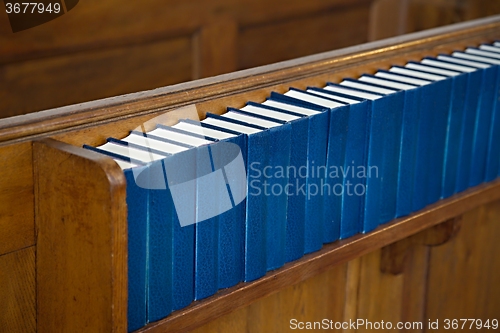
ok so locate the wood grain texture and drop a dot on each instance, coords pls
(395, 17)
(379, 293)
(75, 78)
(337, 253)
(467, 285)
(303, 35)
(81, 259)
(17, 291)
(95, 24)
(213, 94)
(78, 58)
(393, 256)
(322, 296)
(215, 48)
(17, 227)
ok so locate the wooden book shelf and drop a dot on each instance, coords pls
(63, 219)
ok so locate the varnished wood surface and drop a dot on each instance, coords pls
(390, 18)
(17, 291)
(464, 273)
(102, 49)
(441, 280)
(335, 254)
(164, 99)
(322, 296)
(81, 255)
(17, 228)
(92, 122)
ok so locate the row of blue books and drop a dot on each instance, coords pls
(216, 202)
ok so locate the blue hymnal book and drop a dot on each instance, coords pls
(409, 130)
(347, 146)
(434, 110)
(328, 176)
(487, 131)
(317, 142)
(271, 189)
(473, 88)
(356, 155)
(294, 235)
(137, 209)
(256, 203)
(276, 181)
(164, 219)
(483, 115)
(383, 152)
(454, 119)
(493, 163)
(225, 269)
(206, 228)
(454, 136)
(382, 182)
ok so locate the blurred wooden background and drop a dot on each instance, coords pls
(106, 48)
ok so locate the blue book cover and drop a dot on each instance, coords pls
(335, 157)
(485, 129)
(382, 182)
(256, 204)
(454, 124)
(468, 119)
(331, 179)
(434, 111)
(493, 163)
(382, 151)
(275, 188)
(232, 222)
(165, 180)
(454, 134)
(231, 245)
(482, 131)
(294, 235)
(358, 136)
(160, 250)
(137, 212)
(317, 142)
(206, 230)
(493, 159)
(408, 143)
(482, 121)
(272, 188)
(219, 239)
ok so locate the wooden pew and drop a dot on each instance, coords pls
(63, 219)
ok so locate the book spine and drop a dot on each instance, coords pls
(487, 98)
(467, 133)
(279, 144)
(332, 183)
(294, 240)
(493, 164)
(356, 156)
(137, 207)
(316, 154)
(455, 121)
(408, 151)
